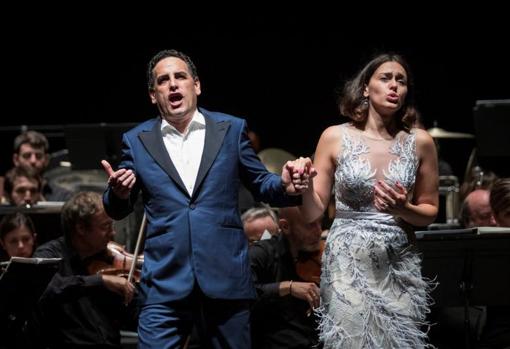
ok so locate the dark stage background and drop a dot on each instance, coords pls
(278, 71)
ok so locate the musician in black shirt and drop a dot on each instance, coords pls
(77, 309)
(282, 316)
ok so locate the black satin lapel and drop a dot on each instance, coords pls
(153, 142)
(214, 134)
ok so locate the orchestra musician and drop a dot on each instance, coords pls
(17, 239)
(77, 309)
(286, 270)
(17, 235)
(22, 187)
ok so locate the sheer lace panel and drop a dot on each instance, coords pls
(363, 160)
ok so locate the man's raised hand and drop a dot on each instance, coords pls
(121, 181)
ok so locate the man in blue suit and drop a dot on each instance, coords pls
(189, 163)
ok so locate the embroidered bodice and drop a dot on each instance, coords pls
(364, 160)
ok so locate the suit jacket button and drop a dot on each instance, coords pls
(192, 206)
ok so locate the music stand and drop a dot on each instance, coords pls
(21, 285)
(492, 129)
(470, 268)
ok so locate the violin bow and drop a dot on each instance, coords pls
(137, 247)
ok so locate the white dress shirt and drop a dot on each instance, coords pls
(185, 149)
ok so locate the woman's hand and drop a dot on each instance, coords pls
(296, 175)
(389, 200)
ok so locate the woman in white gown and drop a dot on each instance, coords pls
(385, 180)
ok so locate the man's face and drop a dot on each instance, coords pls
(480, 209)
(305, 236)
(30, 157)
(175, 91)
(19, 242)
(98, 233)
(25, 191)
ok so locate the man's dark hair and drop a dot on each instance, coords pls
(79, 210)
(33, 138)
(17, 172)
(14, 221)
(165, 54)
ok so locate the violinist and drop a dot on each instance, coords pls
(281, 315)
(77, 309)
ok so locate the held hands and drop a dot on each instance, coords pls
(119, 285)
(121, 181)
(296, 175)
(389, 200)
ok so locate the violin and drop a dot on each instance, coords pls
(115, 260)
(308, 264)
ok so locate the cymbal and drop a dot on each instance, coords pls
(437, 132)
(275, 158)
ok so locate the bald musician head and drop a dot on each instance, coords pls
(476, 210)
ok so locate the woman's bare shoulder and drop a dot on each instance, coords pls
(422, 136)
(424, 142)
(332, 133)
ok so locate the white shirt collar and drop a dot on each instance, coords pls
(197, 122)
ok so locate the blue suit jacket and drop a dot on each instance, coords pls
(199, 237)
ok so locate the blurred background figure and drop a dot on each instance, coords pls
(17, 235)
(22, 187)
(476, 210)
(500, 201)
(496, 333)
(31, 152)
(286, 271)
(259, 223)
(477, 178)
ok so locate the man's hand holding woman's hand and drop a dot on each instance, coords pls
(296, 175)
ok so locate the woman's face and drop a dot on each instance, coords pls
(19, 242)
(387, 88)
